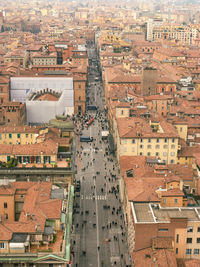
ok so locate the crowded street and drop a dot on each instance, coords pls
(98, 237)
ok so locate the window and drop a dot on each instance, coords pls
(125, 141)
(0, 136)
(198, 240)
(164, 154)
(177, 238)
(149, 140)
(157, 140)
(125, 149)
(2, 245)
(6, 216)
(149, 146)
(133, 149)
(5, 204)
(164, 200)
(171, 161)
(10, 135)
(141, 140)
(149, 154)
(175, 201)
(196, 251)
(176, 250)
(181, 129)
(133, 141)
(190, 230)
(157, 146)
(189, 240)
(140, 153)
(163, 230)
(172, 154)
(141, 146)
(188, 251)
(165, 140)
(18, 135)
(157, 154)
(79, 98)
(172, 146)
(165, 146)
(173, 140)
(122, 112)
(26, 135)
(198, 229)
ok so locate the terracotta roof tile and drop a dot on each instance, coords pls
(143, 190)
(133, 127)
(192, 263)
(5, 233)
(7, 190)
(51, 208)
(162, 242)
(172, 192)
(159, 257)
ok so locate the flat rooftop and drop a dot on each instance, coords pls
(143, 212)
(153, 213)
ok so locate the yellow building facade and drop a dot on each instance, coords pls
(164, 148)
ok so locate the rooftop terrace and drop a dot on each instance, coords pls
(154, 213)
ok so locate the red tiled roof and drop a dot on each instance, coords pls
(7, 190)
(5, 233)
(192, 263)
(48, 147)
(51, 208)
(36, 209)
(143, 190)
(162, 242)
(19, 129)
(172, 192)
(159, 257)
(137, 128)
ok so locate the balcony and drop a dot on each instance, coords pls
(55, 246)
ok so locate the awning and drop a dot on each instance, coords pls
(105, 133)
(63, 217)
(111, 143)
(16, 245)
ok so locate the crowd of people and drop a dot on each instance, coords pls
(105, 180)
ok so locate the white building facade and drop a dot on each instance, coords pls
(22, 88)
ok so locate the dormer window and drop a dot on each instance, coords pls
(129, 173)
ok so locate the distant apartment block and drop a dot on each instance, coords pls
(157, 30)
(45, 59)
